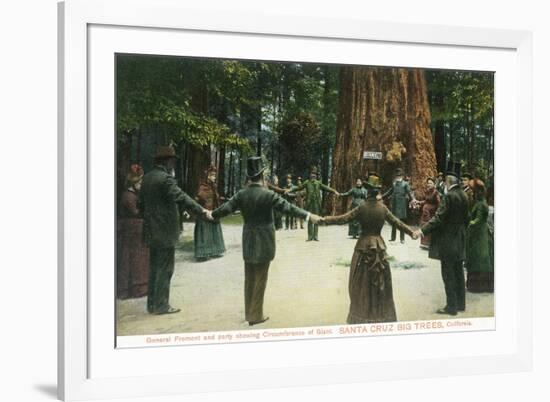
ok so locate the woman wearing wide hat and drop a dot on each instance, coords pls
(133, 253)
(208, 234)
(479, 266)
(370, 281)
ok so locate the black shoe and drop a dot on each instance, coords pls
(309, 239)
(251, 323)
(392, 239)
(402, 241)
(444, 310)
(170, 310)
(316, 239)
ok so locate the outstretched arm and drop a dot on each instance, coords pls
(227, 208)
(286, 208)
(180, 197)
(324, 187)
(393, 220)
(341, 219)
(346, 193)
(388, 193)
(437, 220)
(275, 188)
(410, 192)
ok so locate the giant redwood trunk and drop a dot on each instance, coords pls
(384, 110)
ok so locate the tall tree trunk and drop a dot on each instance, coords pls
(491, 157)
(198, 158)
(325, 151)
(239, 179)
(221, 170)
(439, 138)
(385, 110)
(451, 142)
(230, 174)
(124, 154)
(259, 130)
(471, 140)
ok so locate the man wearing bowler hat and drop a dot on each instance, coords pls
(160, 199)
(257, 204)
(448, 241)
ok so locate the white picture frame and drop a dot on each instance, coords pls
(83, 27)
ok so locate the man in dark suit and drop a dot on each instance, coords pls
(448, 241)
(161, 199)
(401, 194)
(313, 200)
(257, 205)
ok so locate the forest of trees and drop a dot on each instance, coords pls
(298, 115)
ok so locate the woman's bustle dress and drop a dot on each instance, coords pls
(370, 281)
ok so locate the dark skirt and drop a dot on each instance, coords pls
(354, 229)
(478, 260)
(133, 259)
(370, 288)
(480, 282)
(208, 239)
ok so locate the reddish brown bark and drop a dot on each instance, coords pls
(385, 110)
(198, 158)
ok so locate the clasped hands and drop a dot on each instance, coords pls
(208, 214)
(417, 234)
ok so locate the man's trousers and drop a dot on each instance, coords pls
(255, 281)
(160, 274)
(453, 279)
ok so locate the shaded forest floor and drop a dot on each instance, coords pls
(307, 286)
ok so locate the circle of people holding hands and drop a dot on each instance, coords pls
(453, 225)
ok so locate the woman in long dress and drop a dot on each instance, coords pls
(479, 266)
(208, 234)
(370, 281)
(133, 253)
(429, 205)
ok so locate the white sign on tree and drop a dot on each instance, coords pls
(372, 155)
